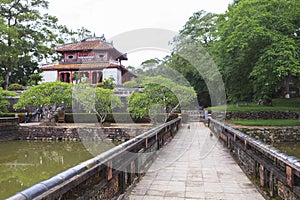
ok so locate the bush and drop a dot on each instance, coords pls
(111, 118)
(15, 86)
(91, 118)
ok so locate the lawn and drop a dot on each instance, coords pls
(277, 104)
(268, 122)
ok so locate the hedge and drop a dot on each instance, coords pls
(92, 118)
(111, 118)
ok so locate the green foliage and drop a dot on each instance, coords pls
(15, 86)
(34, 79)
(258, 47)
(96, 99)
(278, 104)
(50, 93)
(200, 28)
(76, 77)
(160, 95)
(24, 38)
(93, 118)
(29, 35)
(273, 122)
(107, 84)
(4, 103)
(282, 102)
(191, 56)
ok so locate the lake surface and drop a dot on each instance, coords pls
(24, 163)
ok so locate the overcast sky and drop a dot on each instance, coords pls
(114, 17)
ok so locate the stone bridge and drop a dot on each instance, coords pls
(178, 161)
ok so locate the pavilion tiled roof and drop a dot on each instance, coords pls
(85, 45)
(90, 44)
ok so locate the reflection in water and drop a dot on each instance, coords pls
(290, 148)
(24, 163)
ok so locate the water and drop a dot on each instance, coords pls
(24, 163)
(290, 148)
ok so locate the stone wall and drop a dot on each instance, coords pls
(75, 133)
(8, 133)
(8, 128)
(259, 115)
(274, 134)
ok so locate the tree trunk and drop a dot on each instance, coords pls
(6, 80)
(287, 86)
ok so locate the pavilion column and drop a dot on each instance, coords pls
(91, 77)
(71, 74)
(65, 77)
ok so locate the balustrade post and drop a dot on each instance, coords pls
(256, 168)
(271, 184)
(262, 175)
(122, 184)
(289, 176)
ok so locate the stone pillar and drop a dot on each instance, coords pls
(109, 171)
(91, 77)
(262, 175)
(71, 74)
(289, 176)
(272, 185)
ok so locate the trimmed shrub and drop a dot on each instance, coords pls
(111, 118)
(15, 87)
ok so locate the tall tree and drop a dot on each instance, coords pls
(190, 56)
(28, 36)
(200, 28)
(24, 33)
(258, 47)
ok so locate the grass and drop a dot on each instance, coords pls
(268, 122)
(277, 104)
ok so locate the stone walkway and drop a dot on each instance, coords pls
(194, 166)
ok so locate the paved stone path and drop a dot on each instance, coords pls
(194, 166)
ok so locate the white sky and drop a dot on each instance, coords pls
(114, 17)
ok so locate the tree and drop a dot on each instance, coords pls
(4, 103)
(200, 28)
(190, 56)
(258, 47)
(24, 32)
(34, 79)
(160, 95)
(27, 37)
(96, 100)
(46, 94)
(108, 83)
(76, 77)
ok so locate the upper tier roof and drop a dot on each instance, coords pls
(90, 44)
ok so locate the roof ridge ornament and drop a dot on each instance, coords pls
(93, 38)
